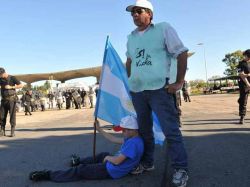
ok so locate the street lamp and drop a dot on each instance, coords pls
(202, 44)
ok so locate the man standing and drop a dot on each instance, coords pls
(8, 84)
(27, 102)
(68, 97)
(244, 73)
(51, 99)
(150, 48)
(185, 92)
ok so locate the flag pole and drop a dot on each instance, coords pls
(94, 143)
(97, 104)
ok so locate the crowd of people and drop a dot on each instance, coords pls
(32, 101)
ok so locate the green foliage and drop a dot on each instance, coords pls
(198, 84)
(42, 89)
(47, 85)
(232, 60)
(214, 77)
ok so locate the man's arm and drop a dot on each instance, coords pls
(16, 86)
(107, 135)
(128, 66)
(116, 160)
(181, 72)
(244, 76)
(241, 73)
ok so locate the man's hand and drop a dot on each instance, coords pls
(105, 159)
(243, 75)
(173, 88)
(8, 87)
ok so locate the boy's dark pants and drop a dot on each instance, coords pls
(88, 169)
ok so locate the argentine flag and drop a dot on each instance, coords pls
(114, 101)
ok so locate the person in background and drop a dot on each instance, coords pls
(42, 103)
(68, 97)
(51, 97)
(244, 73)
(92, 96)
(27, 102)
(59, 100)
(8, 84)
(185, 92)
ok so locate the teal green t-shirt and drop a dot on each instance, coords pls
(153, 52)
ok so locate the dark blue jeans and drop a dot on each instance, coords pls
(88, 169)
(163, 104)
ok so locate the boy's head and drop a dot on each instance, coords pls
(129, 126)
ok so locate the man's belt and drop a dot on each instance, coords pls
(13, 97)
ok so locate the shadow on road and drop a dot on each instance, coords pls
(21, 156)
(220, 160)
(213, 122)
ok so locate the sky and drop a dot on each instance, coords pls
(40, 36)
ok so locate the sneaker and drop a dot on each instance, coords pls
(147, 167)
(142, 167)
(75, 160)
(180, 178)
(39, 175)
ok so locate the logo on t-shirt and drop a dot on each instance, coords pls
(142, 59)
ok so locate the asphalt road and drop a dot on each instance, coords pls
(218, 148)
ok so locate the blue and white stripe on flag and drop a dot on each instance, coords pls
(158, 134)
(114, 101)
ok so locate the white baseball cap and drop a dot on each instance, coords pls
(129, 122)
(141, 3)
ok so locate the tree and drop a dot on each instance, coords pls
(42, 89)
(232, 60)
(46, 85)
(198, 83)
(214, 77)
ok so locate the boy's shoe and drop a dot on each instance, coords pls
(75, 160)
(142, 167)
(39, 175)
(180, 178)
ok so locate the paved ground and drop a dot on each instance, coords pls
(218, 148)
